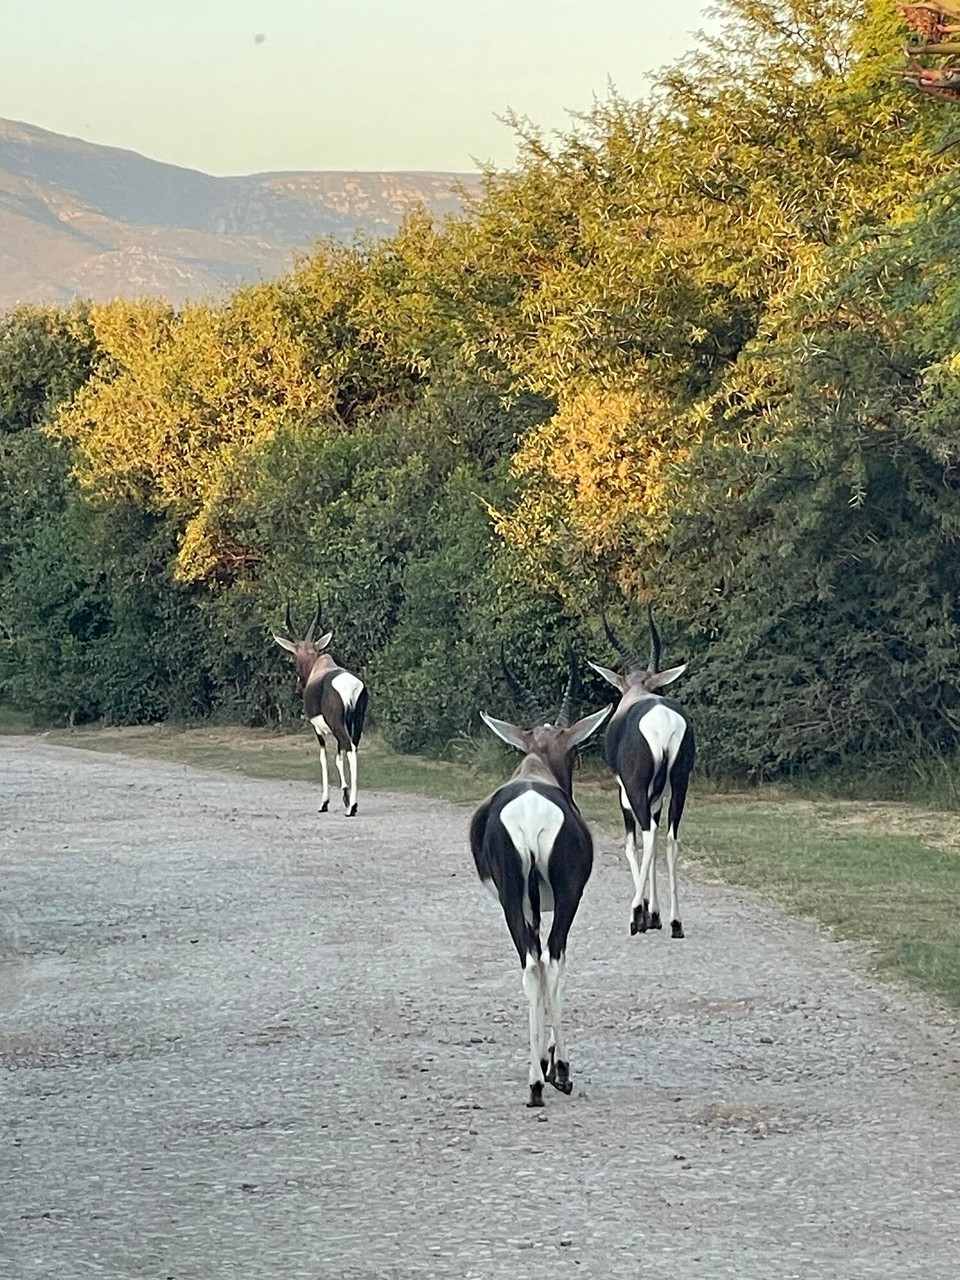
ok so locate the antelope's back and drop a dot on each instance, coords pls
(331, 690)
(628, 739)
(526, 819)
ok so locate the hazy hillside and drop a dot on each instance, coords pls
(81, 219)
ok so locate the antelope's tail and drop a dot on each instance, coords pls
(355, 714)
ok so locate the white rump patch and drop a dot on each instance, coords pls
(533, 823)
(663, 729)
(348, 686)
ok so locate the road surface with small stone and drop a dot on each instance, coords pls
(241, 1039)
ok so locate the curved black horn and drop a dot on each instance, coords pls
(316, 618)
(655, 643)
(566, 706)
(630, 658)
(288, 624)
(522, 696)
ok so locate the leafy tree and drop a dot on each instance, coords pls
(175, 401)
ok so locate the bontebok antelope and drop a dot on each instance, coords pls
(650, 747)
(533, 849)
(335, 703)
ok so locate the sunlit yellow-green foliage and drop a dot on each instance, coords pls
(676, 239)
(638, 257)
(374, 313)
(656, 255)
(596, 477)
(176, 397)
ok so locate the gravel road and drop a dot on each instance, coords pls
(239, 1039)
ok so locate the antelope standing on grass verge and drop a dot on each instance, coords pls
(335, 703)
(535, 852)
(650, 748)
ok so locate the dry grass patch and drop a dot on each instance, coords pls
(935, 830)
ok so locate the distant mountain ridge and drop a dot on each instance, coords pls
(82, 220)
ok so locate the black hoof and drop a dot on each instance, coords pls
(676, 929)
(641, 920)
(536, 1096)
(325, 806)
(655, 920)
(352, 811)
(560, 1078)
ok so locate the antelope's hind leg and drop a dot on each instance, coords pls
(673, 849)
(677, 800)
(344, 789)
(533, 986)
(522, 914)
(558, 1072)
(655, 921)
(352, 760)
(555, 969)
(324, 777)
(638, 908)
(641, 920)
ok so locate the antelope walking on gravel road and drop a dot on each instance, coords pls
(534, 850)
(650, 748)
(335, 703)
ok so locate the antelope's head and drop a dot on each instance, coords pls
(638, 675)
(550, 743)
(306, 651)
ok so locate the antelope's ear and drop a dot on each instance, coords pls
(510, 734)
(660, 678)
(324, 641)
(284, 643)
(611, 677)
(582, 730)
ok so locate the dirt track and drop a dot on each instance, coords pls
(238, 1040)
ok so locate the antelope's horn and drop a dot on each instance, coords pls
(313, 624)
(522, 696)
(629, 657)
(655, 643)
(288, 623)
(566, 706)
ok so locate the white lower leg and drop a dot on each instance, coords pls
(343, 781)
(533, 990)
(324, 777)
(353, 777)
(648, 838)
(555, 973)
(654, 900)
(673, 850)
(631, 851)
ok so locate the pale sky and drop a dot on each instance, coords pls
(238, 86)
